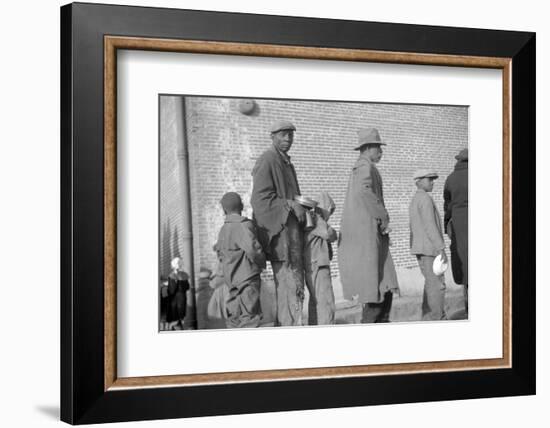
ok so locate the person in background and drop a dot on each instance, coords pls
(455, 196)
(317, 257)
(427, 243)
(364, 258)
(242, 261)
(178, 284)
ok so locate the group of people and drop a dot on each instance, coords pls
(297, 239)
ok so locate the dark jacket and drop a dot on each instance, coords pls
(178, 285)
(274, 183)
(242, 258)
(455, 195)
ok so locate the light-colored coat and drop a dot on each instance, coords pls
(364, 259)
(425, 225)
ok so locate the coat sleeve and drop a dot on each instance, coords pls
(447, 205)
(249, 244)
(427, 216)
(323, 230)
(375, 207)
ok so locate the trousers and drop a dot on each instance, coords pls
(321, 305)
(243, 305)
(433, 298)
(378, 312)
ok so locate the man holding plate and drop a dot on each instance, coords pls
(279, 219)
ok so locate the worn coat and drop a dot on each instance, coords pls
(426, 237)
(274, 183)
(455, 195)
(317, 243)
(365, 262)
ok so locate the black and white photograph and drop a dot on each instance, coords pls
(300, 212)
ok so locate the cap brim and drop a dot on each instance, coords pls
(426, 176)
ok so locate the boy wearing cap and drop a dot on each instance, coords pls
(426, 241)
(317, 257)
(242, 261)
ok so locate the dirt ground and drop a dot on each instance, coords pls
(406, 307)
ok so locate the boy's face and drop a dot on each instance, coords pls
(426, 184)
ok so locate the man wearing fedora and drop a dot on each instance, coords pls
(427, 243)
(366, 265)
(279, 219)
(455, 195)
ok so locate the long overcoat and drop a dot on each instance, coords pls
(455, 195)
(364, 259)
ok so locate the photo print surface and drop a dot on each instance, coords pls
(288, 213)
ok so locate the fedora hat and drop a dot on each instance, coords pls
(368, 136)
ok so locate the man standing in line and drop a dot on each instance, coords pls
(366, 265)
(427, 243)
(279, 219)
(455, 195)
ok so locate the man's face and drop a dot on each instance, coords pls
(374, 152)
(283, 139)
(426, 184)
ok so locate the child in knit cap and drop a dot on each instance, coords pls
(317, 257)
(242, 260)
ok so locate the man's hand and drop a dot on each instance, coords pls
(298, 210)
(384, 227)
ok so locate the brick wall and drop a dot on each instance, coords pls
(224, 145)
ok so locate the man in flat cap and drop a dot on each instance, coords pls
(279, 218)
(366, 265)
(455, 195)
(427, 243)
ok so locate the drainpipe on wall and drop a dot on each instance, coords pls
(190, 321)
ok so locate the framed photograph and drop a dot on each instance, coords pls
(273, 213)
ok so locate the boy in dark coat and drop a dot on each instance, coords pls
(317, 257)
(242, 261)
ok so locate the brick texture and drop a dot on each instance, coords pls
(224, 145)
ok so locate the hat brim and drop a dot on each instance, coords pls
(377, 143)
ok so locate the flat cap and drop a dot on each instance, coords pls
(368, 136)
(462, 155)
(282, 125)
(422, 173)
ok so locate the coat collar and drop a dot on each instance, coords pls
(460, 165)
(234, 218)
(363, 160)
(284, 157)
